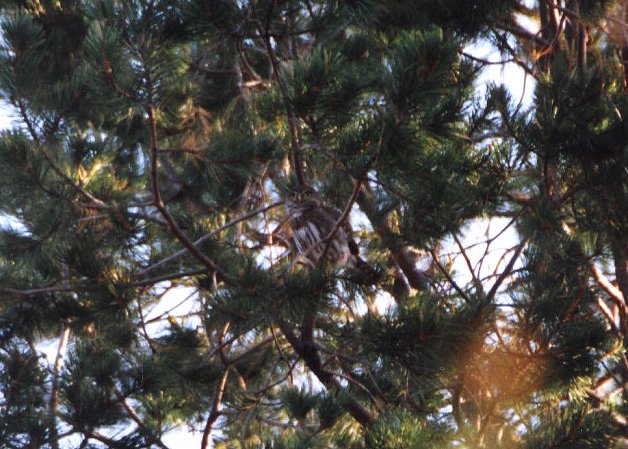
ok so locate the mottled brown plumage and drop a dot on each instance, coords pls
(312, 222)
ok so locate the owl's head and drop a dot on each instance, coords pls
(302, 196)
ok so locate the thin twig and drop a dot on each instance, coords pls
(42, 290)
(448, 276)
(137, 418)
(485, 61)
(476, 281)
(354, 195)
(167, 277)
(251, 349)
(206, 237)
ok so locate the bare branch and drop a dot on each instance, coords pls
(308, 352)
(42, 290)
(167, 277)
(450, 279)
(476, 281)
(206, 237)
(615, 294)
(214, 412)
(508, 270)
(137, 418)
(608, 314)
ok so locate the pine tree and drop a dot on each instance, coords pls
(154, 143)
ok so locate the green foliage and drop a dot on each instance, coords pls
(420, 66)
(89, 377)
(398, 430)
(572, 428)
(182, 351)
(329, 409)
(424, 339)
(298, 402)
(23, 394)
(467, 18)
(144, 249)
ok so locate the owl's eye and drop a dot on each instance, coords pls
(302, 194)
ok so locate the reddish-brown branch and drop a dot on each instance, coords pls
(214, 412)
(401, 254)
(112, 80)
(614, 293)
(308, 352)
(608, 314)
(221, 346)
(620, 254)
(159, 204)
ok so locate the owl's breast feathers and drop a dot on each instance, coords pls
(311, 225)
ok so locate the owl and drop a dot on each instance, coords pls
(311, 222)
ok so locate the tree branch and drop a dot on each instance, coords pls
(476, 281)
(508, 270)
(308, 353)
(159, 204)
(615, 294)
(22, 109)
(54, 390)
(449, 278)
(42, 290)
(401, 254)
(137, 419)
(206, 237)
(214, 412)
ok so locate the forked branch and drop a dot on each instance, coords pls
(159, 204)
